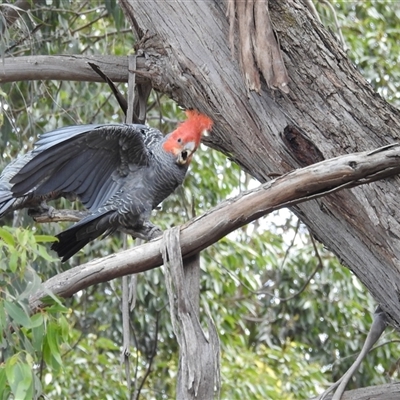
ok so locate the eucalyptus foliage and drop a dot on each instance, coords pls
(289, 317)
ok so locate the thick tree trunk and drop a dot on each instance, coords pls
(187, 53)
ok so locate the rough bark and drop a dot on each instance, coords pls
(188, 56)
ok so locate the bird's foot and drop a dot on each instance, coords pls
(42, 208)
(146, 232)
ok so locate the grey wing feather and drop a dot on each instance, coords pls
(10, 170)
(6, 196)
(89, 160)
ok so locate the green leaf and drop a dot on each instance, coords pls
(17, 313)
(3, 317)
(13, 262)
(53, 336)
(38, 336)
(37, 320)
(44, 238)
(7, 237)
(106, 344)
(45, 255)
(19, 377)
(3, 378)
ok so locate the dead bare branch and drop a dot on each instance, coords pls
(117, 94)
(381, 392)
(66, 68)
(198, 371)
(59, 216)
(300, 185)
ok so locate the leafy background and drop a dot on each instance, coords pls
(290, 317)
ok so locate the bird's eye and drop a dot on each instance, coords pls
(179, 140)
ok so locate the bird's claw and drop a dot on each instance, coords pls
(42, 209)
(155, 232)
(147, 232)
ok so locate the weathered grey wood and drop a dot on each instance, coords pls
(198, 372)
(64, 67)
(382, 392)
(298, 186)
(188, 55)
(376, 330)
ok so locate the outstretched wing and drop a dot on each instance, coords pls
(88, 160)
(7, 199)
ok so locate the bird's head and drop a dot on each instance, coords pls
(185, 139)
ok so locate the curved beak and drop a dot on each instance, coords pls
(186, 153)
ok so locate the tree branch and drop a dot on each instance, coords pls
(58, 216)
(295, 187)
(67, 68)
(381, 392)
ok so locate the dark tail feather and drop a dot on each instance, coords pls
(79, 235)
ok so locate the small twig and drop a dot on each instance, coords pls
(125, 354)
(102, 15)
(132, 328)
(303, 287)
(152, 356)
(264, 292)
(339, 361)
(118, 95)
(73, 347)
(378, 326)
(311, 7)
(59, 216)
(100, 108)
(339, 30)
(27, 36)
(77, 13)
(41, 368)
(385, 344)
(305, 284)
(108, 34)
(296, 231)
